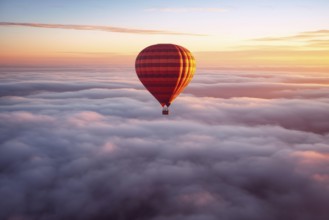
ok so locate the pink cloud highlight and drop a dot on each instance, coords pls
(98, 28)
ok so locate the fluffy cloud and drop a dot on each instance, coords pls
(94, 145)
(260, 85)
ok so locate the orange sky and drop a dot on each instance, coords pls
(227, 35)
(41, 46)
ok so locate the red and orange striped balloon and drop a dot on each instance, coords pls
(165, 70)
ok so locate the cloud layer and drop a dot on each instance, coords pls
(92, 144)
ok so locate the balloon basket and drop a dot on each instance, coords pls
(165, 111)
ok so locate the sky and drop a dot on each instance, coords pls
(284, 35)
(82, 139)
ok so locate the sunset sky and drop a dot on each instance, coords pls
(255, 34)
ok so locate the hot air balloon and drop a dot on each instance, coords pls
(165, 70)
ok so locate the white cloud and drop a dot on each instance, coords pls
(72, 148)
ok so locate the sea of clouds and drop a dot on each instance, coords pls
(92, 144)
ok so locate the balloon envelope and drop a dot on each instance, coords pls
(165, 70)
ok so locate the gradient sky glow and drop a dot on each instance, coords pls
(230, 34)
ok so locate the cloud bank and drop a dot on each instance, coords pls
(97, 28)
(92, 144)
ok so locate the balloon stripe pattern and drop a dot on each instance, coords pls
(165, 70)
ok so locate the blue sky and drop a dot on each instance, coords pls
(236, 17)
